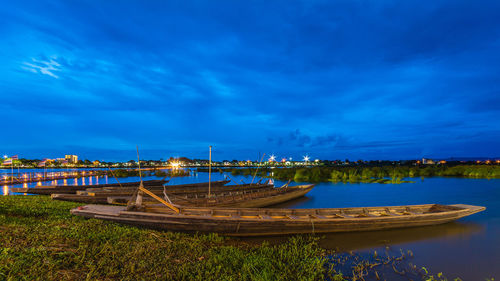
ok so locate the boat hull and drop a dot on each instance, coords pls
(279, 222)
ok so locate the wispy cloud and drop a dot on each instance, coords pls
(216, 85)
(49, 68)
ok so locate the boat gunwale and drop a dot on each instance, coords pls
(245, 218)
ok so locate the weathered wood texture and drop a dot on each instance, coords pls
(265, 221)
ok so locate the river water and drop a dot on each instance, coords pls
(468, 248)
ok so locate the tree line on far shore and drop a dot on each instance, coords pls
(385, 174)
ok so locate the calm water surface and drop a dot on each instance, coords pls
(468, 248)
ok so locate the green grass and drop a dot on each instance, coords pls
(41, 240)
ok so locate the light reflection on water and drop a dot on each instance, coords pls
(5, 190)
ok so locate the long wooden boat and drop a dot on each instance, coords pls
(73, 189)
(121, 197)
(181, 188)
(122, 184)
(229, 196)
(253, 198)
(245, 198)
(264, 222)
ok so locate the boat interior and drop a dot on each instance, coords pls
(346, 213)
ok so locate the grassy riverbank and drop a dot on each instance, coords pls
(39, 239)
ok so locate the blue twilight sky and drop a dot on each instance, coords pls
(331, 79)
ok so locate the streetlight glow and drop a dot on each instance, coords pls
(272, 158)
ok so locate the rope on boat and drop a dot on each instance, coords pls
(286, 184)
(165, 194)
(228, 177)
(115, 177)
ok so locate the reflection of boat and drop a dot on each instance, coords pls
(362, 240)
(295, 202)
(72, 189)
(265, 221)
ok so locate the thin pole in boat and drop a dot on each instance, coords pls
(257, 168)
(209, 170)
(115, 177)
(138, 199)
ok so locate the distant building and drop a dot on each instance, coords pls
(73, 159)
(426, 161)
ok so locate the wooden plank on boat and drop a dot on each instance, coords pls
(318, 216)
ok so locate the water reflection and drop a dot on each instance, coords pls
(5, 190)
(348, 241)
(371, 239)
(294, 202)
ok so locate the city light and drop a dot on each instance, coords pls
(272, 158)
(306, 158)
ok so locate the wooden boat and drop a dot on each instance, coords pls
(252, 198)
(121, 197)
(73, 189)
(264, 222)
(123, 184)
(246, 198)
(182, 188)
